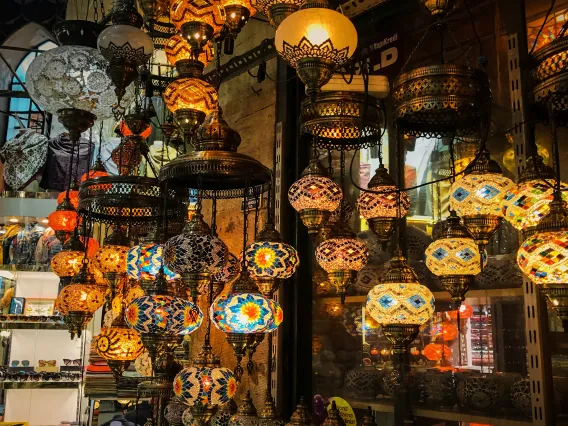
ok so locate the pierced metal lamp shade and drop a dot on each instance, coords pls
(178, 49)
(73, 77)
(163, 314)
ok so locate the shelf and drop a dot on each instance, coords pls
(438, 295)
(26, 268)
(447, 415)
(32, 325)
(39, 385)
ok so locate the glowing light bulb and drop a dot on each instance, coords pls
(13, 220)
(44, 221)
(233, 15)
(196, 36)
(316, 34)
(555, 302)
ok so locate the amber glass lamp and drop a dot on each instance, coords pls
(237, 14)
(314, 196)
(178, 49)
(384, 205)
(79, 300)
(98, 170)
(454, 258)
(119, 346)
(64, 219)
(198, 20)
(73, 197)
(111, 259)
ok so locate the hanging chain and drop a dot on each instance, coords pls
(214, 213)
(103, 8)
(342, 178)
(256, 211)
(245, 226)
(330, 165)
(96, 12)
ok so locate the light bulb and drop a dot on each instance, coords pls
(317, 34)
(13, 220)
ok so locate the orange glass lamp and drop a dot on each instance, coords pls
(67, 263)
(435, 351)
(91, 245)
(198, 20)
(178, 49)
(111, 259)
(237, 14)
(465, 310)
(449, 331)
(64, 219)
(79, 300)
(125, 131)
(73, 197)
(98, 170)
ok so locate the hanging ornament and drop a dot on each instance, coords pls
(246, 413)
(178, 49)
(478, 197)
(111, 259)
(67, 263)
(314, 196)
(237, 14)
(454, 258)
(436, 351)
(64, 219)
(382, 209)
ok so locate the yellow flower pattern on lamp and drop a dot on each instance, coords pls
(67, 263)
(119, 344)
(112, 259)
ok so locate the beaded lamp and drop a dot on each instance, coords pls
(79, 300)
(144, 262)
(178, 49)
(382, 209)
(342, 256)
(478, 197)
(195, 254)
(270, 260)
(315, 41)
(528, 202)
(454, 258)
(198, 20)
(314, 196)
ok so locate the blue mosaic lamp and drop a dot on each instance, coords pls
(479, 196)
(454, 257)
(400, 304)
(143, 262)
(270, 260)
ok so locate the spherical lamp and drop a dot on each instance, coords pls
(144, 262)
(195, 254)
(454, 258)
(436, 351)
(79, 300)
(314, 196)
(178, 49)
(73, 198)
(67, 263)
(198, 20)
(401, 304)
(64, 219)
(270, 260)
(382, 209)
(449, 331)
(125, 46)
(478, 197)
(111, 259)
(465, 312)
(342, 256)
(315, 41)
(528, 202)
(119, 346)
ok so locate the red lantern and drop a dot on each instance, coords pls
(466, 311)
(374, 351)
(433, 351)
(93, 174)
(125, 130)
(92, 246)
(63, 220)
(449, 331)
(73, 197)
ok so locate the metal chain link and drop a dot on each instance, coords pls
(96, 12)
(103, 8)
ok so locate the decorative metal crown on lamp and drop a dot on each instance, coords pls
(79, 300)
(278, 10)
(528, 202)
(125, 45)
(270, 260)
(438, 8)
(198, 20)
(314, 196)
(178, 49)
(315, 41)
(195, 254)
(454, 258)
(478, 197)
(382, 209)
(543, 257)
(342, 256)
(189, 97)
(401, 304)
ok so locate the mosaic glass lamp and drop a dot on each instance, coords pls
(436, 351)
(198, 20)
(382, 210)
(79, 300)
(237, 14)
(67, 263)
(111, 259)
(543, 257)
(454, 258)
(225, 275)
(342, 256)
(478, 197)
(64, 219)
(270, 260)
(195, 254)
(315, 41)
(178, 49)
(73, 197)
(314, 196)
(400, 299)
(465, 311)
(144, 262)
(98, 170)
(528, 202)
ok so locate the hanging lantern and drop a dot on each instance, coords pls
(73, 197)
(237, 14)
(126, 132)
(67, 263)
(314, 196)
(466, 311)
(98, 170)
(454, 258)
(382, 210)
(195, 254)
(144, 262)
(79, 300)
(315, 41)
(436, 351)
(119, 346)
(528, 202)
(125, 46)
(342, 256)
(91, 245)
(198, 21)
(326, 227)
(270, 260)
(111, 259)
(449, 331)
(64, 218)
(178, 49)
(478, 198)
(543, 257)
(127, 156)
(246, 413)
(438, 8)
